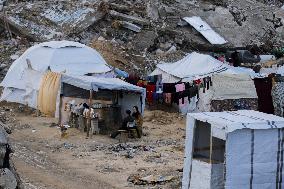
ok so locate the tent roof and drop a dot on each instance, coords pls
(93, 83)
(242, 119)
(61, 56)
(193, 66)
(61, 44)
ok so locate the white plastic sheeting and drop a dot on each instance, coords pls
(252, 161)
(202, 27)
(243, 119)
(61, 56)
(229, 86)
(251, 148)
(243, 70)
(193, 66)
(21, 83)
(95, 84)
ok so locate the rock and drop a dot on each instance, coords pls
(7, 179)
(165, 46)
(159, 52)
(172, 49)
(14, 57)
(144, 40)
(2, 66)
(152, 11)
(101, 38)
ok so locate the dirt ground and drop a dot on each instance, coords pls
(45, 161)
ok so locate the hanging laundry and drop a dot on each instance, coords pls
(168, 98)
(150, 89)
(183, 103)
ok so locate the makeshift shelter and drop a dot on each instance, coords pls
(111, 97)
(191, 67)
(23, 80)
(232, 150)
(219, 81)
(232, 92)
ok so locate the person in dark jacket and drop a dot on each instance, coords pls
(125, 121)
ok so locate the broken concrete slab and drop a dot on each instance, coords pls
(49, 20)
(7, 179)
(130, 26)
(202, 27)
(127, 17)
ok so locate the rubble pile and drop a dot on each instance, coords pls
(9, 177)
(139, 34)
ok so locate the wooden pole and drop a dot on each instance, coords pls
(89, 113)
(211, 147)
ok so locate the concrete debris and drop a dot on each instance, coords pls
(150, 179)
(7, 179)
(239, 15)
(130, 34)
(131, 26)
(130, 18)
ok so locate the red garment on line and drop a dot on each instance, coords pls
(150, 89)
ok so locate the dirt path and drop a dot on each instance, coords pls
(46, 161)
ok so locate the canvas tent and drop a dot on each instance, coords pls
(233, 150)
(22, 81)
(191, 67)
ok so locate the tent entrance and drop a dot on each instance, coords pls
(206, 147)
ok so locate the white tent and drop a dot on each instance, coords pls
(23, 79)
(241, 149)
(192, 66)
(132, 95)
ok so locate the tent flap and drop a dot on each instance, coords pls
(48, 93)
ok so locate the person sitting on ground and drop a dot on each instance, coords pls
(138, 120)
(126, 120)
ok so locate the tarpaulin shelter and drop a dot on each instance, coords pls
(196, 66)
(239, 149)
(23, 79)
(121, 96)
(191, 67)
(132, 95)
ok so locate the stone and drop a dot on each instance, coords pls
(165, 46)
(130, 18)
(7, 179)
(172, 49)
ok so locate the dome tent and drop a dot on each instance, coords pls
(23, 79)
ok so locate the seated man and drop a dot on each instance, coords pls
(125, 121)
